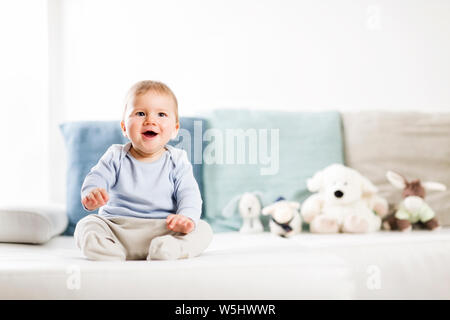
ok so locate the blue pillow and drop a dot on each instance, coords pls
(87, 141)
(288, 148)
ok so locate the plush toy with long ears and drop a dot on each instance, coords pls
(413, 210)
(249, 207)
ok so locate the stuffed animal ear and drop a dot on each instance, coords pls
(259, 195)
(315, 183)
(436, 186)
(294, 205)
(268, 210)
(231, 207)
(396, 180)
(367, 186)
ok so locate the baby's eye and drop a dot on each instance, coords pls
(140, 114)
(162, 114)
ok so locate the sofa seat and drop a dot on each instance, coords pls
(383, 265)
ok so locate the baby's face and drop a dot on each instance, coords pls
(150, 122)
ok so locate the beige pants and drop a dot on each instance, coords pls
(127, 238)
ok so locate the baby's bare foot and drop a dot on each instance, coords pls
(179, 223)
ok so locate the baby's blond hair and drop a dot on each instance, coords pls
(143, 87)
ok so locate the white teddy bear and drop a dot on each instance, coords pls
(345, 201)
(286, 220)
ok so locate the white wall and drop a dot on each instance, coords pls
(287, 54)
(24, 163)
(267, 54)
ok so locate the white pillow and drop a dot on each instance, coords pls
(31, 224)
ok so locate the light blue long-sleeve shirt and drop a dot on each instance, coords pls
(145, 190)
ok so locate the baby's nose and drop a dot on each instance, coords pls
(150, 119)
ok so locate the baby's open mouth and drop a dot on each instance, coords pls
(150, 134)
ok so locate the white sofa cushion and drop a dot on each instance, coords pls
(31, 224)
(380, 265)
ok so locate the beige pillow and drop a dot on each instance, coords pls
(416, 145)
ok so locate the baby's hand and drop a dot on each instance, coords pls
(179, 223)
(95, 199)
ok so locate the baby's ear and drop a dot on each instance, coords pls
(175, 133)
(124, 129)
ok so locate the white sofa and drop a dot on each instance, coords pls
(382, 265)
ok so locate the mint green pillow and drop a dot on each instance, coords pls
(270, 152)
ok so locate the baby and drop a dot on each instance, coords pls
(150, 203)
